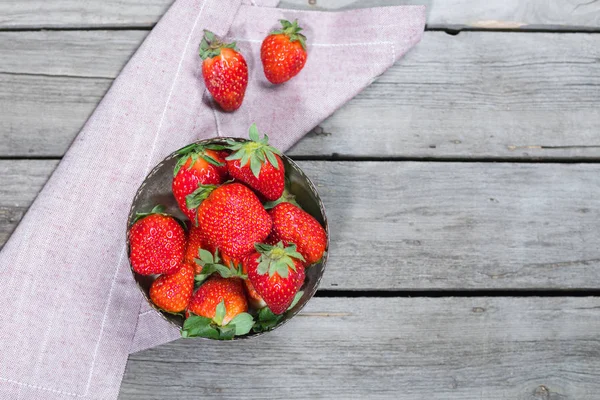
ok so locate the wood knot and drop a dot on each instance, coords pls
(542, 392)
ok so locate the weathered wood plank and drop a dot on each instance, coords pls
(454, 14)
(391, 348)
(475, 95)
(427, 226)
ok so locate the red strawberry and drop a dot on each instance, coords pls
(197, 240)
(224, 70)
(291, 224)
(283, 52)
(197, 165)
(232, 217)
(216, 289)
(258, 165)
(254, 298)
(172, 292)
(157, 243)
(277, 273)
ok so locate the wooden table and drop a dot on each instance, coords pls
(463, 190)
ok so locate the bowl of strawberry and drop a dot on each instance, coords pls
(227, 238)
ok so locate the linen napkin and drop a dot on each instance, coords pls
(75, 312)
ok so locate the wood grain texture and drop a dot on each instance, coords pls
(391, 348)
(475, 95)
(427, 226)
(442, 14)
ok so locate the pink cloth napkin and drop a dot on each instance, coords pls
(72, 310)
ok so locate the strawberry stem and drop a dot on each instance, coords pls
(211, 45)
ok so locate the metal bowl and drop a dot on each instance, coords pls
(156, 189)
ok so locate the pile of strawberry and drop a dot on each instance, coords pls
(241, 264)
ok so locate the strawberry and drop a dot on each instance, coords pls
(254, 298)
(196, 240)
(172, 292)
(197, 164)
(157, 243)
(218, 310)
(224, 70)
(283, 52)
(292, 224)
(232, 217)
(277, 273)
(258, 165)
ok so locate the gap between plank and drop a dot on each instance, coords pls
(461, 293)
(344, 158)
(449, 30)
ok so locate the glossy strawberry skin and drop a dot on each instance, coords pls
(196, 240)
(233, 219)
(173, 292)
(157, 245)
(277, 292)
(291, 224)
(216, 289)
(226, 78)
(190, 176)
(255, 299)
(270, 182)
(282, 59)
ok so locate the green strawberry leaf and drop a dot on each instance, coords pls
(297, 298)
(257, 151)
(253, 133)
(211, 45)
(245, 158)
(158, 209)
(262, 247)
(196, 325)
(216, 147)
(209, 269)
(272, 159)
(226, 332)
(180, 163)
(220, 313)
(211, 264)
(243, 323)
(255, 166)
(265, 314)
(263, 267)
(266, 320)
(196, 198)
(277, 259)
(211, 160)
(206, 256)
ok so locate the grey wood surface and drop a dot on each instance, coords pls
(391, 348)
(454, 14)
(475, 95)
(397, 226)
(424, 226)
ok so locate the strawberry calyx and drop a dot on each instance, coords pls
(212, 263)
(292, 31)
(276, 259)
(266, 319)
(158, 209)
(211, 45)
(213, 328)
(194, 199)
(257, 151)
(194, 152)
(286, 197)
